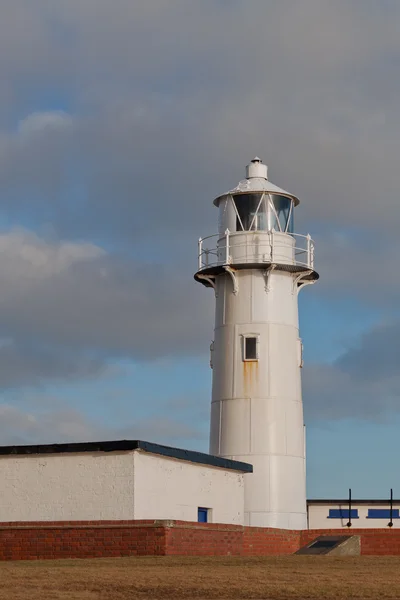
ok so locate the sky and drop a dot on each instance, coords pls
(119, 123)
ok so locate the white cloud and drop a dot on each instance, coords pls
(38, 122)
(24, 256)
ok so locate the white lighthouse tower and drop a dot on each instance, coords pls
(257, 266)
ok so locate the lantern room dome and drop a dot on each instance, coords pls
(256, 181)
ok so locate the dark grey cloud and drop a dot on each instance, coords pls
(18, 426)
(31, 364)
(359, 264)
(363, 383)
(170, 102)
(81, 301)
(60, 424)
(376, 356)
(163, 105)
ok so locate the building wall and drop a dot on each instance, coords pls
(96, 486)
(318, 516)
(67, 487)
(167, 488)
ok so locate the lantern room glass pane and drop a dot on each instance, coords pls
(222, 215)
(282, 206)
(290, 225)
(253, 215)
(226, 215)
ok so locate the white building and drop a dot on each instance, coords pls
(257, 265)
(135, 480)
(361, 514)
(122, 480)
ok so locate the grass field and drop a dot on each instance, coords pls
(305, 577)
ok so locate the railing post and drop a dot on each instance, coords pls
(227, 232)
(207, 253)
(349, 522)
(309, 258)
(200, 249)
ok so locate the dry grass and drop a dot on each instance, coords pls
(310, 577)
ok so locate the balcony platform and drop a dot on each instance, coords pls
(215, 270)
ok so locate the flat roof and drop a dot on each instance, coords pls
(353, 501)
(129, 445)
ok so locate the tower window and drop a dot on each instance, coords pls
(250, 347)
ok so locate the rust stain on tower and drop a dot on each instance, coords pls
(250, 377)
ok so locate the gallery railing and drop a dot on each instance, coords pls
(264, 247)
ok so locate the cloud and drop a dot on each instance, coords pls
(363, 383)
(32, 364)
(376, 355)
(69, 307)
(163, 121)
(119, 122)
(43, 122)
(22, 427)
(359, 264)
(164, 430)
(63, 424)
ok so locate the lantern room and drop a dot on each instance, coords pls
(255, 227)
(256, 211)
(256, 204)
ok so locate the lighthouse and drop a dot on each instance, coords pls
(257, 266)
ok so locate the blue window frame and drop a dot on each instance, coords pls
(202, 515)
(382, 513)
(343, 513)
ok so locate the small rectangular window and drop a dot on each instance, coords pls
(343, 513)
(250, 347)
(382, 513)
(202, 515)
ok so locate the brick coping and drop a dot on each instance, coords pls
(169, 523)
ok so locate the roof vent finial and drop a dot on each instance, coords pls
(256, 168)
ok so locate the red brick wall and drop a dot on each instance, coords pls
(28, 541)
(258, 541)
(373, 541)
(201, 539)
(85, 539)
